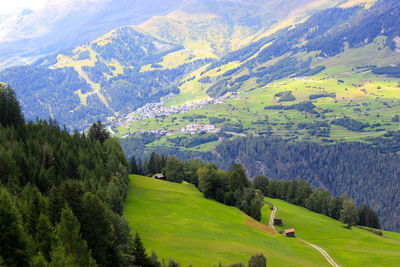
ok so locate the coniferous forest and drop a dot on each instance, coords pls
(62, 195)
(367, 173)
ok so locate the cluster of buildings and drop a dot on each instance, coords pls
(154, 110)
(196, 128)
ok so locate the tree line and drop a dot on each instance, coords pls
(233, 188)
(230, 187)
(300, 193)
(367, 173)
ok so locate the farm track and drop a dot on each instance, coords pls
(319, 249)
(271, 218)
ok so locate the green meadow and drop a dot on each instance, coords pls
(355, 247)
(176, 221)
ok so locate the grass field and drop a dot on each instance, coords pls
(354, 247)
(176, 221)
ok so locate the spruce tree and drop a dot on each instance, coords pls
(70, 248)
(133, 167)
(139, 251)
(44, 237)
(14, 248)
(99, 132)
(154, 163)
(10, 109)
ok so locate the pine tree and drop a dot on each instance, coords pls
(133, 167)
(14, 248)
(44, 236)
(70, 248)
(139, 251)
(154, 163)
(99, 132)
(10, 109)
(97, 230)
(368, 217)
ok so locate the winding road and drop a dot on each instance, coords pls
(320, 250)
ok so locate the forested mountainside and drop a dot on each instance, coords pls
(99, 80)
(61, 195)
(109, 77)
(358, 170)
(301, 50)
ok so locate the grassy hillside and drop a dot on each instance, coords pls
(354, 247)
(176, 221)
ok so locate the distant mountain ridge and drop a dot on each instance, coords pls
(61, 25)
(85, 90)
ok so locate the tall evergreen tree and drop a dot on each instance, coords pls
(44, 237)
(133, 167)
(368, 217)
(14, 248)
(99, 132)
(10, 109)
(70, 248)
(97, 230)
(139, 252)
(155, 163)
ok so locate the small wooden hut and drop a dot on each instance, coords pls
(278, 222)
(290, 233)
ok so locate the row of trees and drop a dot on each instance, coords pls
(300, 193)
(233, 188)
(230, 187)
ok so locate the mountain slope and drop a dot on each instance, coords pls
(176, 221)
(300, 80)
(98, 80)
(198, 32)
(61, 25)
(355, 247)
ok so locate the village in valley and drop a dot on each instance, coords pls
(160, 110)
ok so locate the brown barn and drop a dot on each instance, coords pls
(278, 222)
(290, 232)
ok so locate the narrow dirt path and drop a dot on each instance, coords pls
(323, 252)
(271, 218)
(320, 250)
